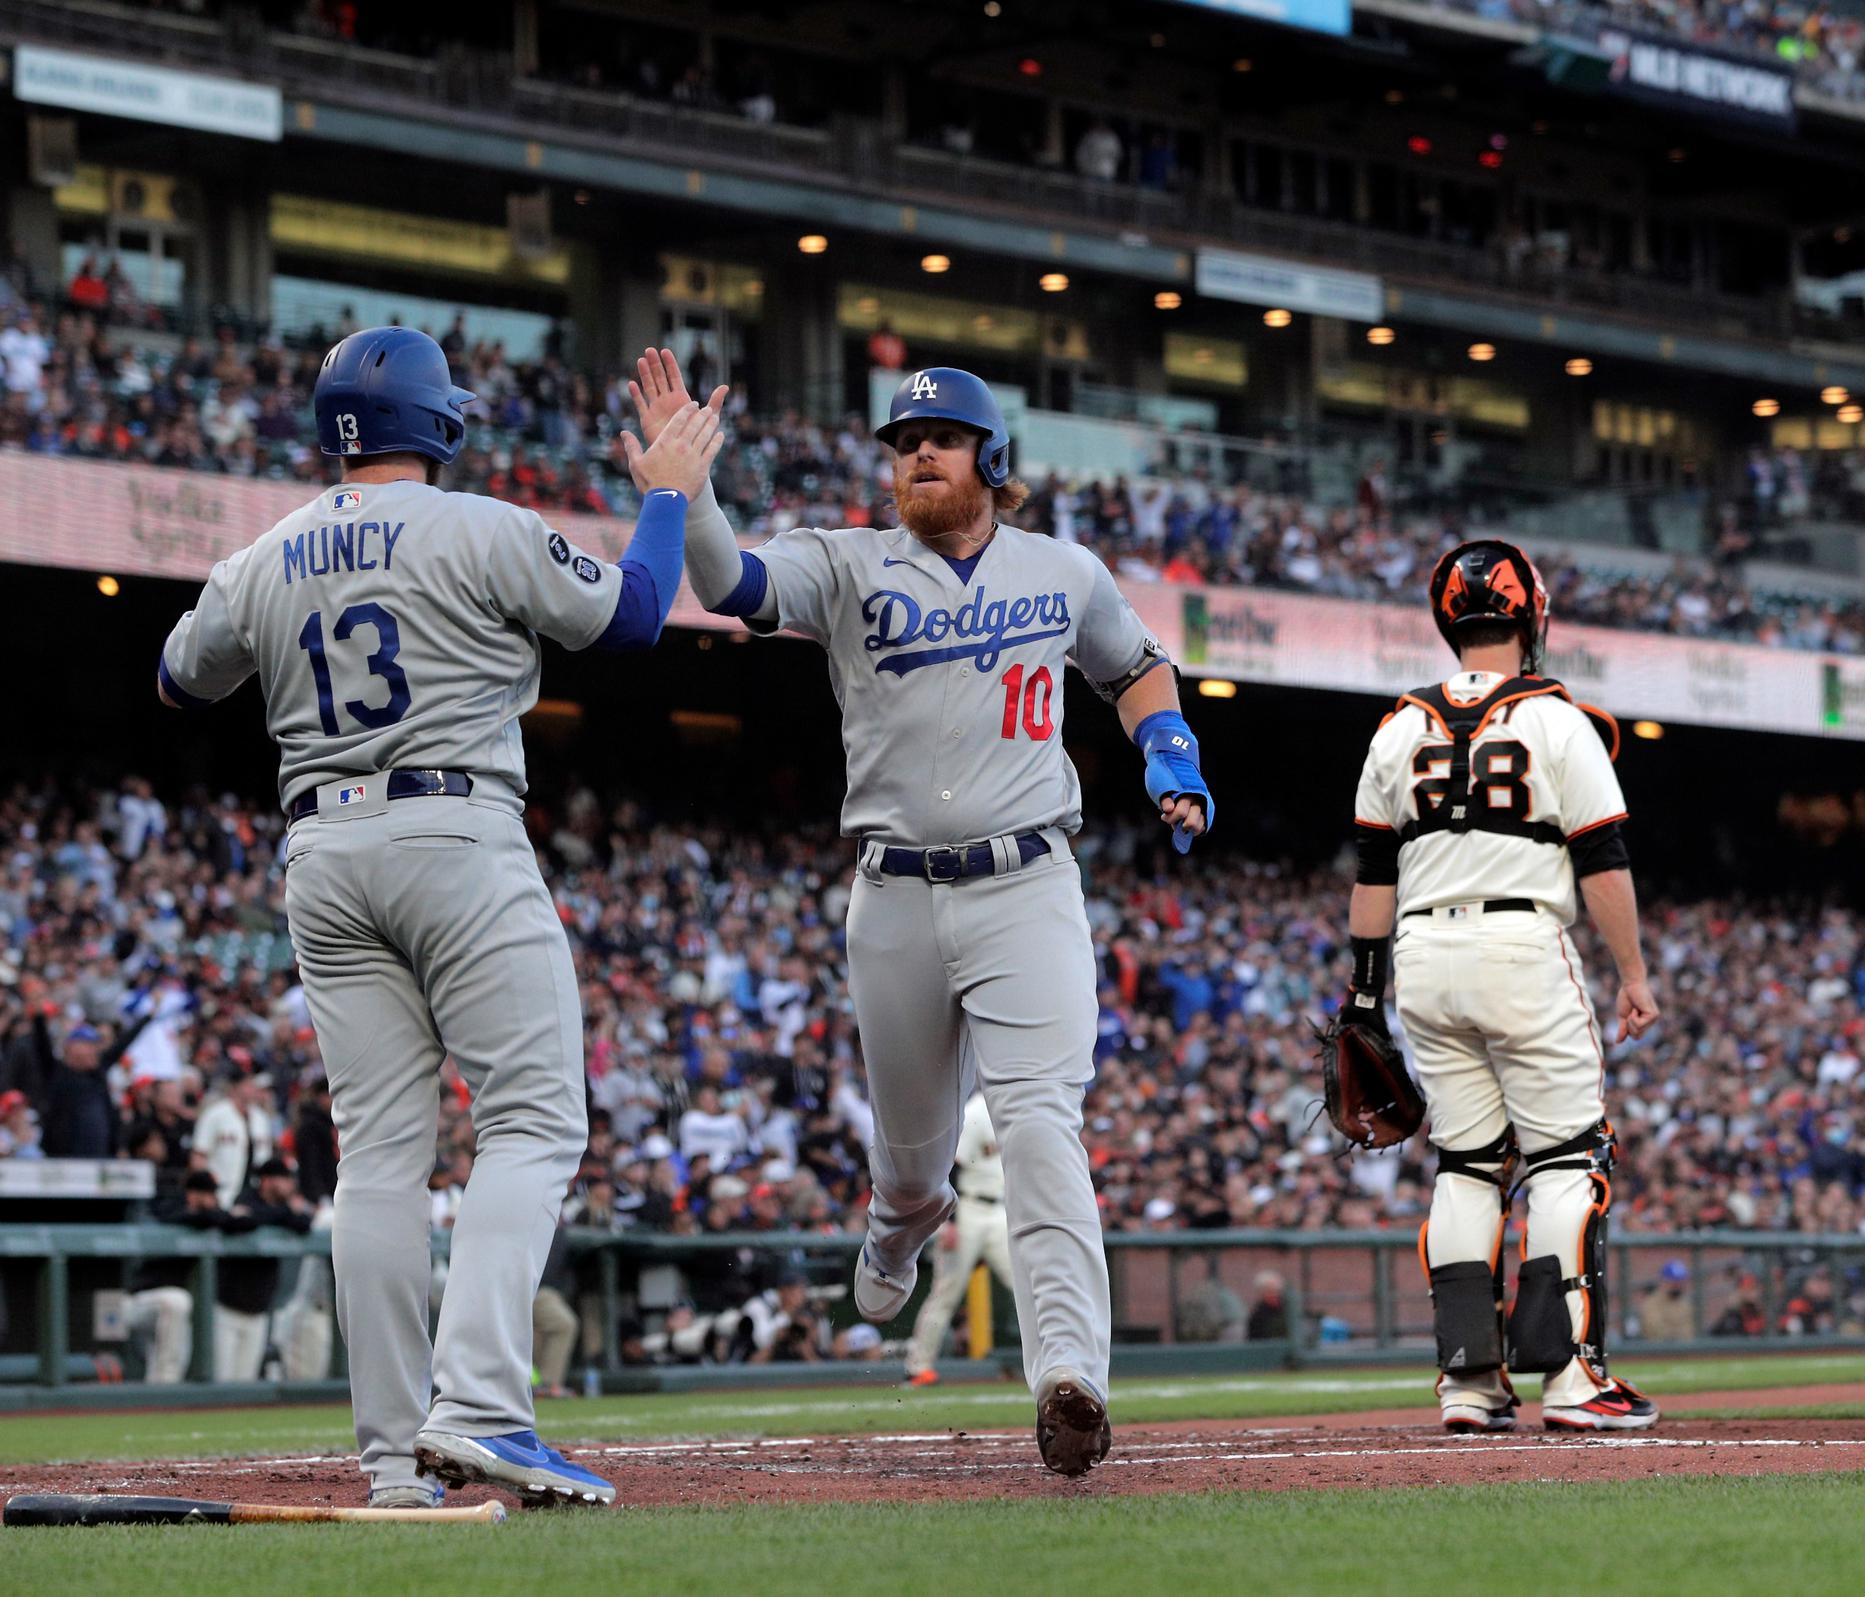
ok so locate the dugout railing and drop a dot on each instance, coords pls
(1182, 1299)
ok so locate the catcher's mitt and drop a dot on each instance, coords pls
(1369, 1096)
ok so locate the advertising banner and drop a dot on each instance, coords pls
(148, 94)
(1677, 76)
(143, 521)
(1265, 280)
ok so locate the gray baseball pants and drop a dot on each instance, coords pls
(423, 930)
(987, 983)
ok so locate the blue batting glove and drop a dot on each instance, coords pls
(1172, 768)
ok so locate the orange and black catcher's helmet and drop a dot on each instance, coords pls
(1491, 581)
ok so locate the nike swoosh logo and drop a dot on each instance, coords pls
(892, 562)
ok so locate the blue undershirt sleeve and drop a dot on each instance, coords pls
(650, 573)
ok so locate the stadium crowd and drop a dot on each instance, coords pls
(549, 436)
(1823, 43)
(148, 1009)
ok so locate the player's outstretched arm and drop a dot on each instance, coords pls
(1613, 903)
(724, 580)
(668, 474)
(1150, 714)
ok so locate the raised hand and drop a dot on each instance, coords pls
(659, 390)
(681, 455)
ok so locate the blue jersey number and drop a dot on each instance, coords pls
(381, 664)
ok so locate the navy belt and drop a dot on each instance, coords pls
(1491, 906)
(401, 785)
(954, 862)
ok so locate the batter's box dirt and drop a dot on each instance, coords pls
(1377, 1450)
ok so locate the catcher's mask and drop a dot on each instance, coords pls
(1490, 581)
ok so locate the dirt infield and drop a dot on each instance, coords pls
(1389, 1448)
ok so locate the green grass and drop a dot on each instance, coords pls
(856, 1408)
(1703, 1536)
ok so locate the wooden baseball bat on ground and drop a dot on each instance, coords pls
(58, 1508)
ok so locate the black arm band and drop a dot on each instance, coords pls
(1379, 856)
(1602, 849)
(1372, 964)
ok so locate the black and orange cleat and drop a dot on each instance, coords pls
(1614, 1407)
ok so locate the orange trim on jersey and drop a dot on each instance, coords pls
(1385, 718)
(1431, 712)
(1521, 693)
(1424, 1258)
(1610, 819)
(1612, 726)
(1376, 826)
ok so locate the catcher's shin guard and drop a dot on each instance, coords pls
(1470, 1205)
(1569, 1195)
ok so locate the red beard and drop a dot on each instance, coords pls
(935, 517)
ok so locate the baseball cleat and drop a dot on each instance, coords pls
(1478, 1419)
(1614, 1407)
(517, 1462)
(1072, 1432)
(923, 1378)
(421, 1494)
(880, 1294)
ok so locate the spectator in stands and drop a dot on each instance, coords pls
(554, 1322)
(1664, 1314)
(234, 1132)
(1098, 152)
(19, 1128)
(1269, 1315)
(80, 1118)
(248, 1287)
(87, 289)
(1744, 1316)
(314, 1144)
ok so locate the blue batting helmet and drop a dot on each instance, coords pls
(387, 389)
(944, 393)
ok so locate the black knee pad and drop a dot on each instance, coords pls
(1466, 1313)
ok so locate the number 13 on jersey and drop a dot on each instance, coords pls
(379, 664)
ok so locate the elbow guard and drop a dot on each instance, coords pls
(1600, 849)
(1378, 864)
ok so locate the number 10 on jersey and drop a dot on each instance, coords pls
(1031, 699)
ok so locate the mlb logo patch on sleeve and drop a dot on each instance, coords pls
(351, 795)
(347, 499)
(559, 547)
(586, 568)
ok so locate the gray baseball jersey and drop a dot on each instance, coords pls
(950, 685)
(392, 624)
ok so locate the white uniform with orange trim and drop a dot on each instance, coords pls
(1492, 998)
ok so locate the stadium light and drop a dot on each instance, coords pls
(1833, 395)
(1278, 318)
(1242, 64)
(1052, 282)
(812, 243)
(1650, 731)
(1492, 159)
(1765, 408)
(1418, 144)
(1482, 352)
(108, 586)
(1030, 67)
(1382, 336)
(1851, 415)
(935, 264)
(1167, 299)
(1579, 366)
(1216, 688)
(992, 8)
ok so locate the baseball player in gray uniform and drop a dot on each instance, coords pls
(970, 962)
(395, 632)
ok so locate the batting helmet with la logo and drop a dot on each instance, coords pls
(944, 393)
